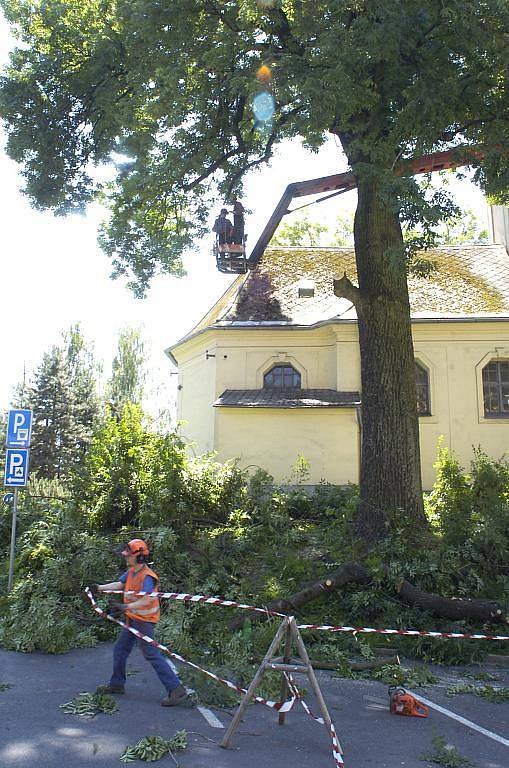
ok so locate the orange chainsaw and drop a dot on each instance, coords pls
(403, 703)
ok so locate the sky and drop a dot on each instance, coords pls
(53, 274)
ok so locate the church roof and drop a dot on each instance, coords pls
(466, 281)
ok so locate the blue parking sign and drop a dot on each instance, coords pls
(16, 467)
(19, 428)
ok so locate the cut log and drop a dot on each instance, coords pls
(350, 572)
(354, 666)
(358, 666)
(450, 608)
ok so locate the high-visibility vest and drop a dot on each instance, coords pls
(134, 582)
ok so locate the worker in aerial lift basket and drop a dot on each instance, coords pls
(223, 227)
(238, 222)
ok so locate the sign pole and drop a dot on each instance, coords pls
(13, 539)
(17, 458)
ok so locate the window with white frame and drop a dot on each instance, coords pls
(495, 384)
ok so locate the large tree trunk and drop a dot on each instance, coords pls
(350, 572)
(390, 477)
(451, 608)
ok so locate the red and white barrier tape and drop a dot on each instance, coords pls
(279, 706)
(292, 685)
(184, 597)
(411, 632)
(336, 750)
(187, 598)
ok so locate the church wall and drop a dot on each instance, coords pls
(328, 357)
(273, 439)
(196, 395)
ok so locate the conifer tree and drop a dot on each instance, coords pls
(83, 371)
(52, 401)
(65, 407)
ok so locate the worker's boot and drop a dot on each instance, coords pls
(110, 689)
(178, 697)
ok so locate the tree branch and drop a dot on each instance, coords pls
(345, 289)
(228, 22)
(283, 32)
(210, 170)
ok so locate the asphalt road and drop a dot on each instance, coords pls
(35, 733)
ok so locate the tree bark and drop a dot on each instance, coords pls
(347, 573)
(450, 608)
(390, 475)
(355, 666)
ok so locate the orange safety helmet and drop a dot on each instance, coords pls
(135, 547)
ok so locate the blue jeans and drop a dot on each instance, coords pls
(123, 647)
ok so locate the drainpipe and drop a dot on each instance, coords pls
(358, 414)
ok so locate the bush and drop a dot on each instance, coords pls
(214, 531)
(450, 501)
(47, 610)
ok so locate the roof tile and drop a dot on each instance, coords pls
(286, 398)
(467, 279)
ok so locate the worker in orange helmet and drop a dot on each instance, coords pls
(141, 613)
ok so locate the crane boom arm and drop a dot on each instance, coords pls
(343, 182)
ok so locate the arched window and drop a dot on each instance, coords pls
(422, 387)
(282, 377)
(495, 384)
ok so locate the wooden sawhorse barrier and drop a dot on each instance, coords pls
(288, 628)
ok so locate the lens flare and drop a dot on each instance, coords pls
(263, 106)
(264, 74)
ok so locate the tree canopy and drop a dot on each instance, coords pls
(187, 97)
(166, 90)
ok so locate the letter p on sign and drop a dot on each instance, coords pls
(16, 467)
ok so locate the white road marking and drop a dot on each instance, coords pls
(209, 716)
(459, 719)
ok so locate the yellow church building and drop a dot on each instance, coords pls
(272, 372)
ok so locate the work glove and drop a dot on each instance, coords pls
(117, 610)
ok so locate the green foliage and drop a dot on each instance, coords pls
(464, 228)
(90, 705)
(90, 83)
(300, 231)
(64, 402)
(495, 695)
(459, 227)
(127, 371)
(484, 676)
(46, 609)
(120, 472)
(153, 748)
(91, 79)
(41, 501)
(393, 674)
(212, 530)
(472, 509)
(450, 499)
(445, 754)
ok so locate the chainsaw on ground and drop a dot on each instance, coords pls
(403, 703)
